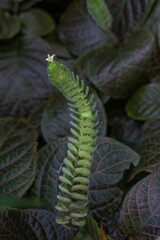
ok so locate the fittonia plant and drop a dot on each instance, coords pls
(73, 188)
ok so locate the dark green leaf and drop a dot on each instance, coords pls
(24, 81)
(90, 231)
(153, 19)
(9, 25)
(17, 5)
(120, 71)
(56, 118)
(140, 209)
(144, 104)
(37, 22)
(18, 156)
(110, 160)
(149, 150)
(31, 225)
(12, 202)
(77, 31)
(100, 13)
(128, 14)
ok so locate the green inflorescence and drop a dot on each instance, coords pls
(74, 180)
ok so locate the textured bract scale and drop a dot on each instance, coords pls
(74, 180)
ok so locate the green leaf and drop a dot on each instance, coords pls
(119, 71)
(90, 231)
(144, 104)
(24, 82)
(100, 13)
(31, 225)
(37, 22)
(18, 156)
(140, 209)
(56, 118)
(12, 202)
(9, 25)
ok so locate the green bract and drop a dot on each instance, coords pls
(72, 197)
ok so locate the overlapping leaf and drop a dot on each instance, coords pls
(77, 31)
(149, 150)
(56, 117)
(37, 22)
(120, 71)
(18, 157)
(31, 225)
(128, 14)
(144, 104)
(24, 82)
(140, 209)
(110, 161)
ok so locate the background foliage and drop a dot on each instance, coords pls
(114, 46)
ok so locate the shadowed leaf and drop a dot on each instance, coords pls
(37, 22)
(153, 19)
(144, 104)
(9, 25)
(140, 209)
(24, 82)
(18, 156)
(149, 150)
(31, 225)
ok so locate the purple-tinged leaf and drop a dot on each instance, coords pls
(18, 156)
(118, 72)
(77, 30)
(128, 14)
(144, 104)
(149, 150)
(140, 209)
(56, 118)
(31, 225)
(24, 81)
(110, 160)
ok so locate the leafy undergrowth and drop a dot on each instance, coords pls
(114, 46)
